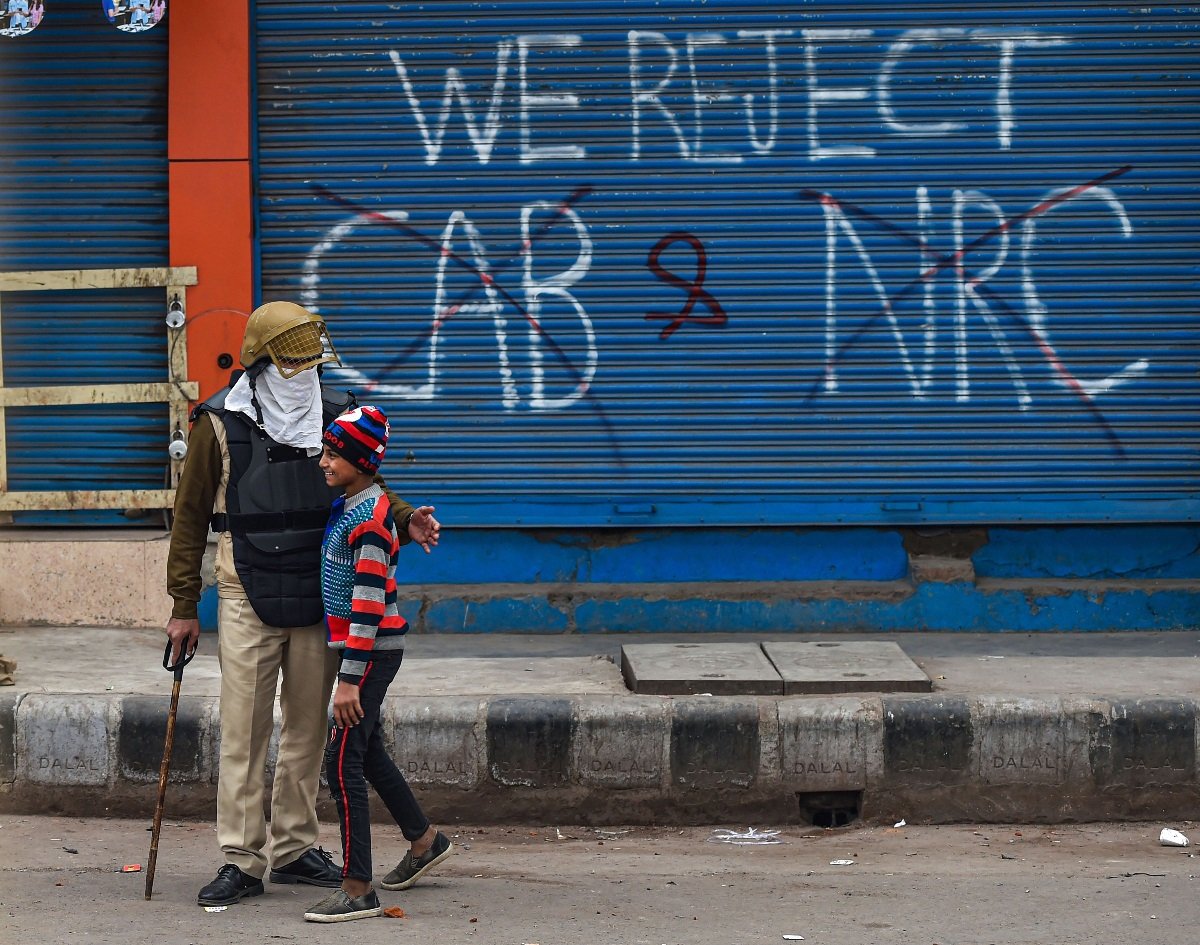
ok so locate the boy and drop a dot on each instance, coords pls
(358, 584)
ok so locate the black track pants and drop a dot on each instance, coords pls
(355, 757)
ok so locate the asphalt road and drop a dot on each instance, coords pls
(958, 885)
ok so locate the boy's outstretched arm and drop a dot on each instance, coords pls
(423, 528)
(417, 525)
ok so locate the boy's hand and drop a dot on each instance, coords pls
(347, 710)
(423, 528)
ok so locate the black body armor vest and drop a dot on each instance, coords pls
(277, 506)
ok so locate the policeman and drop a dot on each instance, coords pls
(251, 474)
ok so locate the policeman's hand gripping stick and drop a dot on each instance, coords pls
(165, 768)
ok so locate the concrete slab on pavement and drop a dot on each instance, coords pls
(832, 666)
(719, 669)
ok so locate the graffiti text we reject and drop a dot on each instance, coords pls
(684, 90)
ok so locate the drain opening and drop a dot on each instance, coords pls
(829, 808)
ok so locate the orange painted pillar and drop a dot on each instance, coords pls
(210, 178)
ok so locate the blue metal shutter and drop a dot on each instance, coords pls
(83, 185)
(948, 251)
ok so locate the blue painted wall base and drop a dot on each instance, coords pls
(807, 580)
(206, 610)
(1101, 578)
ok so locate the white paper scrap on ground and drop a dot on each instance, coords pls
(1173, 838)
(900, 823)
(750, 837)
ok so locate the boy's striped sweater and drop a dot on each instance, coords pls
(358, 581)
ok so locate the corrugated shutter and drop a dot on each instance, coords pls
(750, 262)
(83, 184)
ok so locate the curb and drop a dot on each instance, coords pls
(649, 759)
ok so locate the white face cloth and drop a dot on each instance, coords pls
(291, 407)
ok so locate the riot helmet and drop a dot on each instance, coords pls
(292, 337)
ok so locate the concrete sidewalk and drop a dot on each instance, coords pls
(1018, 727)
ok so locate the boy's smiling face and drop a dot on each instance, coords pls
(339, 472)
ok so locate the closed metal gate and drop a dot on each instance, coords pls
(738, 262)
(83, 185)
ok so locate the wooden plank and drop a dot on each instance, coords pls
(140, 393)
(46, 279)
(87, 499)
(5, 518)
(185, 390)
(176, 392)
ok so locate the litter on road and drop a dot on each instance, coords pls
(1173, 838)
(750, 837)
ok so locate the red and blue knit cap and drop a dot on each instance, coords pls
(359, 437)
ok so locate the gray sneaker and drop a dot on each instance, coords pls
(411, 868)
(339, 907)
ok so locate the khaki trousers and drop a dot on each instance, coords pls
(252, 656)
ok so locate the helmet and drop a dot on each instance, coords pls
(291, 336)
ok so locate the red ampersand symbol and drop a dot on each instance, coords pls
(693, 288)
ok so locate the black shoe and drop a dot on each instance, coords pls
(230, 885)
(409, 870)
(339, 907)
(313, 866)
